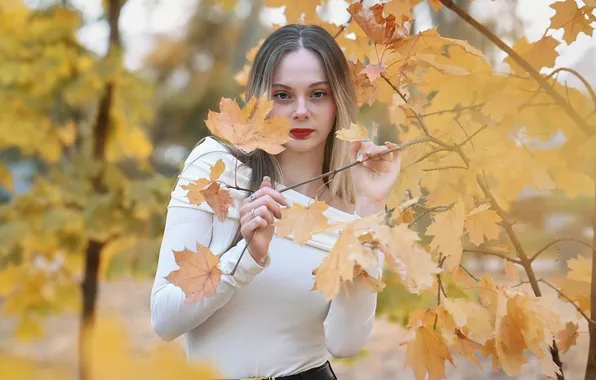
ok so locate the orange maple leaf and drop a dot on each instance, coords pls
(381, 30)
(250, 128)
(302, 221)
(365, 90)
(571, 18)
(427, 352)
(201, 190)
(567, 337)
(198, 275)
(373, 72)
(218, 199)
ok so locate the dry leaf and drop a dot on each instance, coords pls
(571, 18)
(218, 199)
(482, 222)
(250, 128)
(381, 30)
(198, 275)
(371, 283)
(196, 194)
(302, 221)
(447, 231)
(567, 337)
(426, 354)
(510, 270)
(355, 133)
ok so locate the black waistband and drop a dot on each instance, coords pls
(322, 372)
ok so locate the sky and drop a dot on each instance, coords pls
(142, 19)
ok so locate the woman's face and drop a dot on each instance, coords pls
(301, 92)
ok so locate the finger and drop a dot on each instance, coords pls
(268, 202)
(276, 195)
(264, 213)
(254, 224)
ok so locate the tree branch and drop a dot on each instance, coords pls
(579, 121)
(581, 78)
(469, 273)
(590, 320)
(557, 241)
(492, 253)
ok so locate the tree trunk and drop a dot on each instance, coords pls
(89, 287)
(591, 363)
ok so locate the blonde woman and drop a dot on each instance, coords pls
(265, 321)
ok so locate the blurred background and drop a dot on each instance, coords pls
(141, 110)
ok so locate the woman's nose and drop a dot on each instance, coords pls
(301, 111)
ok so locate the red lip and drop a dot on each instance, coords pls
(301, 133)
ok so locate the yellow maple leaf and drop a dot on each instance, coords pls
(356, 132)
(466, 347)
(470, 317)
(576, 285)
(426, 353)
(567, 337)
(538, 54)
(198, 275)
(405, 257)
(447, 231)
(250, 128)
(482, 222)
(337, 266)
(218, 199)
(302, 221)
(571, 18)
(197, 188)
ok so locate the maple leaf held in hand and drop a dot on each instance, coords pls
(198, 275)
(250, 128)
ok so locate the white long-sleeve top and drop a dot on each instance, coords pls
(265, 320)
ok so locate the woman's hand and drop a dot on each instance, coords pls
(373, 179)
(256, 216)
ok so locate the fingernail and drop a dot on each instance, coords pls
(359, 158)
(266, 178)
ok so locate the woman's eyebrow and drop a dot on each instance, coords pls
(311, 85)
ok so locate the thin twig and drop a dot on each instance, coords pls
(492, 253)
(555, 242)
(469, 273)
(590, 320)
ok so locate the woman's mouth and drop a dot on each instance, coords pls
(301, 133)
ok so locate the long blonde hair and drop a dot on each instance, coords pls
(316, 39)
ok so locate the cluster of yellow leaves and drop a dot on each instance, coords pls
(113, 358)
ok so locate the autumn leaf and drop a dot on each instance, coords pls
(337, 266)
(198, 275)
(567, 337)
(381, 30)
(470, 317)
(510, 270)
(295, 9)
(406, 257)
(538, 54)
(482, 222)
(576, 285)
(198, 188)
(302, 221)
(371, 283)
(427, 352)
(467, 347)
(571, 18)
(365, 90)
(250, 128)
(373, 72)
(447, 231)
(218, 199)
(356, 132)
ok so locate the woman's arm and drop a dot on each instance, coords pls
(351, 317)
(170, 316)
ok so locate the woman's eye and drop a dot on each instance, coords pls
(281, 95)
(318, 94)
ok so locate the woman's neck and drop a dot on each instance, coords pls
(301, 166)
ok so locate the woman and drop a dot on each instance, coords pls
(265, 321)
